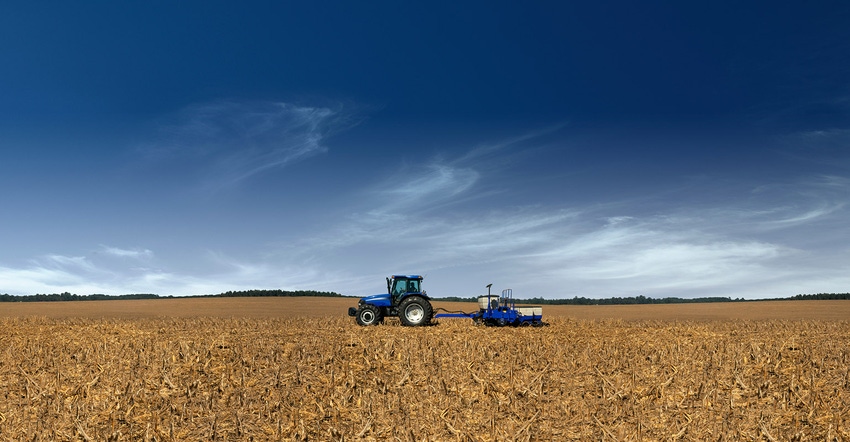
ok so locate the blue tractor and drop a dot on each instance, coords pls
(404, 298)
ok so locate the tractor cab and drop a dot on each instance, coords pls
(400, 286)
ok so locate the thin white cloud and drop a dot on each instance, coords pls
(548, 251)
(800, 203)
(390, 211)
(113, 274)
(233, 142)
(79, 263)
(826, 148)
(502, 151)
(36, 279)
(126, 253)
(739, 247)
(646, 260)
(424, 188)
(755, 244)
(804, 217)
(53, 274)
(830, 137)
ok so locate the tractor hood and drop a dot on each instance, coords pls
(381, 300)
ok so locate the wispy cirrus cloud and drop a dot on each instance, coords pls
(117, 271)
(800, 202)
(424, 188)
(126, 253)
(827, 148)
(661, 256)
(232, 142)
(53, 274)
(760, 239)
(753, 243)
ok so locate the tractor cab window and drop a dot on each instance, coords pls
(399, 287)
(402, 286)
(413, 286)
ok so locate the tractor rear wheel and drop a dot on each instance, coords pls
(369, 315)
(415, 311)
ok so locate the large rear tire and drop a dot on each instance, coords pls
(415, 311)
(369, 315)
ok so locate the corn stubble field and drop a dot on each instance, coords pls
(321, 377)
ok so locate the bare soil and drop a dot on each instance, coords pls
(296, 369)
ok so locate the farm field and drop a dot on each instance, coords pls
(300, 369)
(300, 307)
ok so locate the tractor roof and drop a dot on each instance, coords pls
(407, 277)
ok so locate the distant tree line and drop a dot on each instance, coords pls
(253, 293)
(604, 301)
(646, 300)
(820, 296)
(72, 297)
(456, 299)
(626, 301)
(99, 297)
(65, 296)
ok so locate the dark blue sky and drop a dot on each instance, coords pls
(606, 149)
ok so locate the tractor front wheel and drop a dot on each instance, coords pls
(415, 311)
(369, 315)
